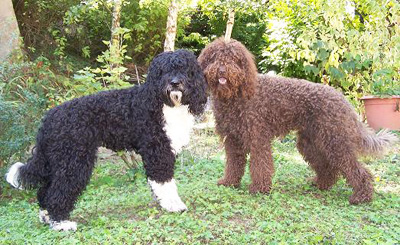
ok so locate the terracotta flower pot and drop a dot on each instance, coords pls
(382, 112)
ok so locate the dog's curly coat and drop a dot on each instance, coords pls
(251, 109)
(127, 119)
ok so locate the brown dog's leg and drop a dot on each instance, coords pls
(360, 179)
(261, 165)
(327, 174)
(235, 162)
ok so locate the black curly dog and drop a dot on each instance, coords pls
(126, 119)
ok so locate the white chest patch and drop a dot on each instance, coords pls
(178, 126)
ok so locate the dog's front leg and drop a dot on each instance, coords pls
(159, 165)
(261, 165)
(166, 193)
(235, 162)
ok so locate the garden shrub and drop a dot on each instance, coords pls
(352, 46)
(19, 121)
(27, 90)
(209, 21)
(36, 77)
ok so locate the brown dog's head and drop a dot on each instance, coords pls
(229, 69)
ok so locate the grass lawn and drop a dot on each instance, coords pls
(117, 207)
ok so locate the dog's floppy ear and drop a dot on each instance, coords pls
(155, 69)
(248, 64)
(196, 96)
(206, 56)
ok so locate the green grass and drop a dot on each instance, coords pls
(117, 207)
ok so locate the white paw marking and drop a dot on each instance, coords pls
(44, 216)
(64, 225)
(167, 195)
(178, 126)
(12, 175)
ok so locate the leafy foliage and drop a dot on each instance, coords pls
(208, 21)
(26, 90)
(18, 125)
(147, 20)
(352, 46)
(110, 73)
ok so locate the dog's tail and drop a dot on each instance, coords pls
(29, 175)
(377, 143)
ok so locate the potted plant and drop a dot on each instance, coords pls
(382, 106)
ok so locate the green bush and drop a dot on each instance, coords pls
(36, 77)
(208, 21)
(353, 46)
(18, 125)
(27, 89)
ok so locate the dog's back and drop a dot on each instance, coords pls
(291, 104)
(311, 108)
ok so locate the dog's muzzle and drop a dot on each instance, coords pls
(175, 93)
(176, 97)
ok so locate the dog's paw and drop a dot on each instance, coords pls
(167, 195)
(358, 198)
(64, 225)
(173, 205)
(312, 180)
(228, 183)
(258, 188)
(44, 216)
(320, 184)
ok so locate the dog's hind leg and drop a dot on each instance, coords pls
(326, 174)
(41, 197)
(357, 176)
(261, 164)
(341, 154)
(67, 183)
(235, 162)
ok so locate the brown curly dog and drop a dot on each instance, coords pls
(251, 109)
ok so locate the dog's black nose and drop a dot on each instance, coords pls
(175, 82)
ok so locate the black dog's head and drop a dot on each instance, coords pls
(179, 79)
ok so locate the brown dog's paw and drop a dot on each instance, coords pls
(322, 185)
(312, 180)
(225, 182)
(258, 188)
(358, 198)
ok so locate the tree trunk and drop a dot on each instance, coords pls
(115, 25)
(9, 32)
(169, 44)
(229, 25)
